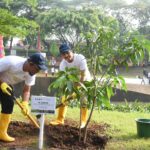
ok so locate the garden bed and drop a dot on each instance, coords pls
(56, 137)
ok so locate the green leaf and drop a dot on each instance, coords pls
(109, 91)
(69, 86)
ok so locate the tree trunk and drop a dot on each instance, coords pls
(48, 46)
(80, 125)
(10, 46)
(87, 123)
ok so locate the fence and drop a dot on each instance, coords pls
(41, 88)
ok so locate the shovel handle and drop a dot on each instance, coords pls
(67, 100)
(28, 115)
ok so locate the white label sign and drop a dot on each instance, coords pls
(43, 104)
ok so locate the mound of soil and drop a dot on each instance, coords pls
(64, 137)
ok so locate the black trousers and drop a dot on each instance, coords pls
(7, 103)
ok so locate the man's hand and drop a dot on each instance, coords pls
(25, 106)
(73, 95)
(65, 99)
(6, 88)
(76, 84)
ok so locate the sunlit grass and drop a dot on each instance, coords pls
(122, 129)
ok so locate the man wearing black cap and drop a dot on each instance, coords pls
(15, 69)
(71, 59)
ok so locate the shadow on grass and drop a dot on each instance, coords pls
(130, 137)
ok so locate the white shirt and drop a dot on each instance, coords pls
(79, 61)
(11, 71)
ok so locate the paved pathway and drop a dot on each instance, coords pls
(138, 85)
(133, 80)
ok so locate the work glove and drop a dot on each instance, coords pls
(25, 106)
(73, 95)
(6, 88)
(65, 100)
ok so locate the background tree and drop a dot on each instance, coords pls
(25, 9)
(79, 18)
(54, 49)
(11, 25)
(70, 25)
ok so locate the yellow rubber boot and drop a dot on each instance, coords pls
(61, 116)
(4, 123)
(84, 115)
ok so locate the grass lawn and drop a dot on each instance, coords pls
(123, 130)
(122, 127)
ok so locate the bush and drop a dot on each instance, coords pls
(129, 107)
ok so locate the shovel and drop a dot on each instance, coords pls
(28, 115)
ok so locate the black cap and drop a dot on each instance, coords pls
(64, 48)
(39, 60)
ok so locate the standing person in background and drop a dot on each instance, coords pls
(15, 69)
(46, 61)
(53, 62)
(71, 59)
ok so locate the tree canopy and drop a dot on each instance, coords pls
(15, 26)
(71, 20)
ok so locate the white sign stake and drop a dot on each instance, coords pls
(42, 119)
(42, 105)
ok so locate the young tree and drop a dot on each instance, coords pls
(106, 54)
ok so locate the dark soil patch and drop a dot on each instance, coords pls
(64, 137)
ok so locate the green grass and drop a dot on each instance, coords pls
(122, 127)
(123, 130)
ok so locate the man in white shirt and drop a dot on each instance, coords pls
(15, 69)
(71, 59)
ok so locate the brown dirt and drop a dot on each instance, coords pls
(64, 137)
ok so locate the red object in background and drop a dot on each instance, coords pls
(39, 42)
(2, 53)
